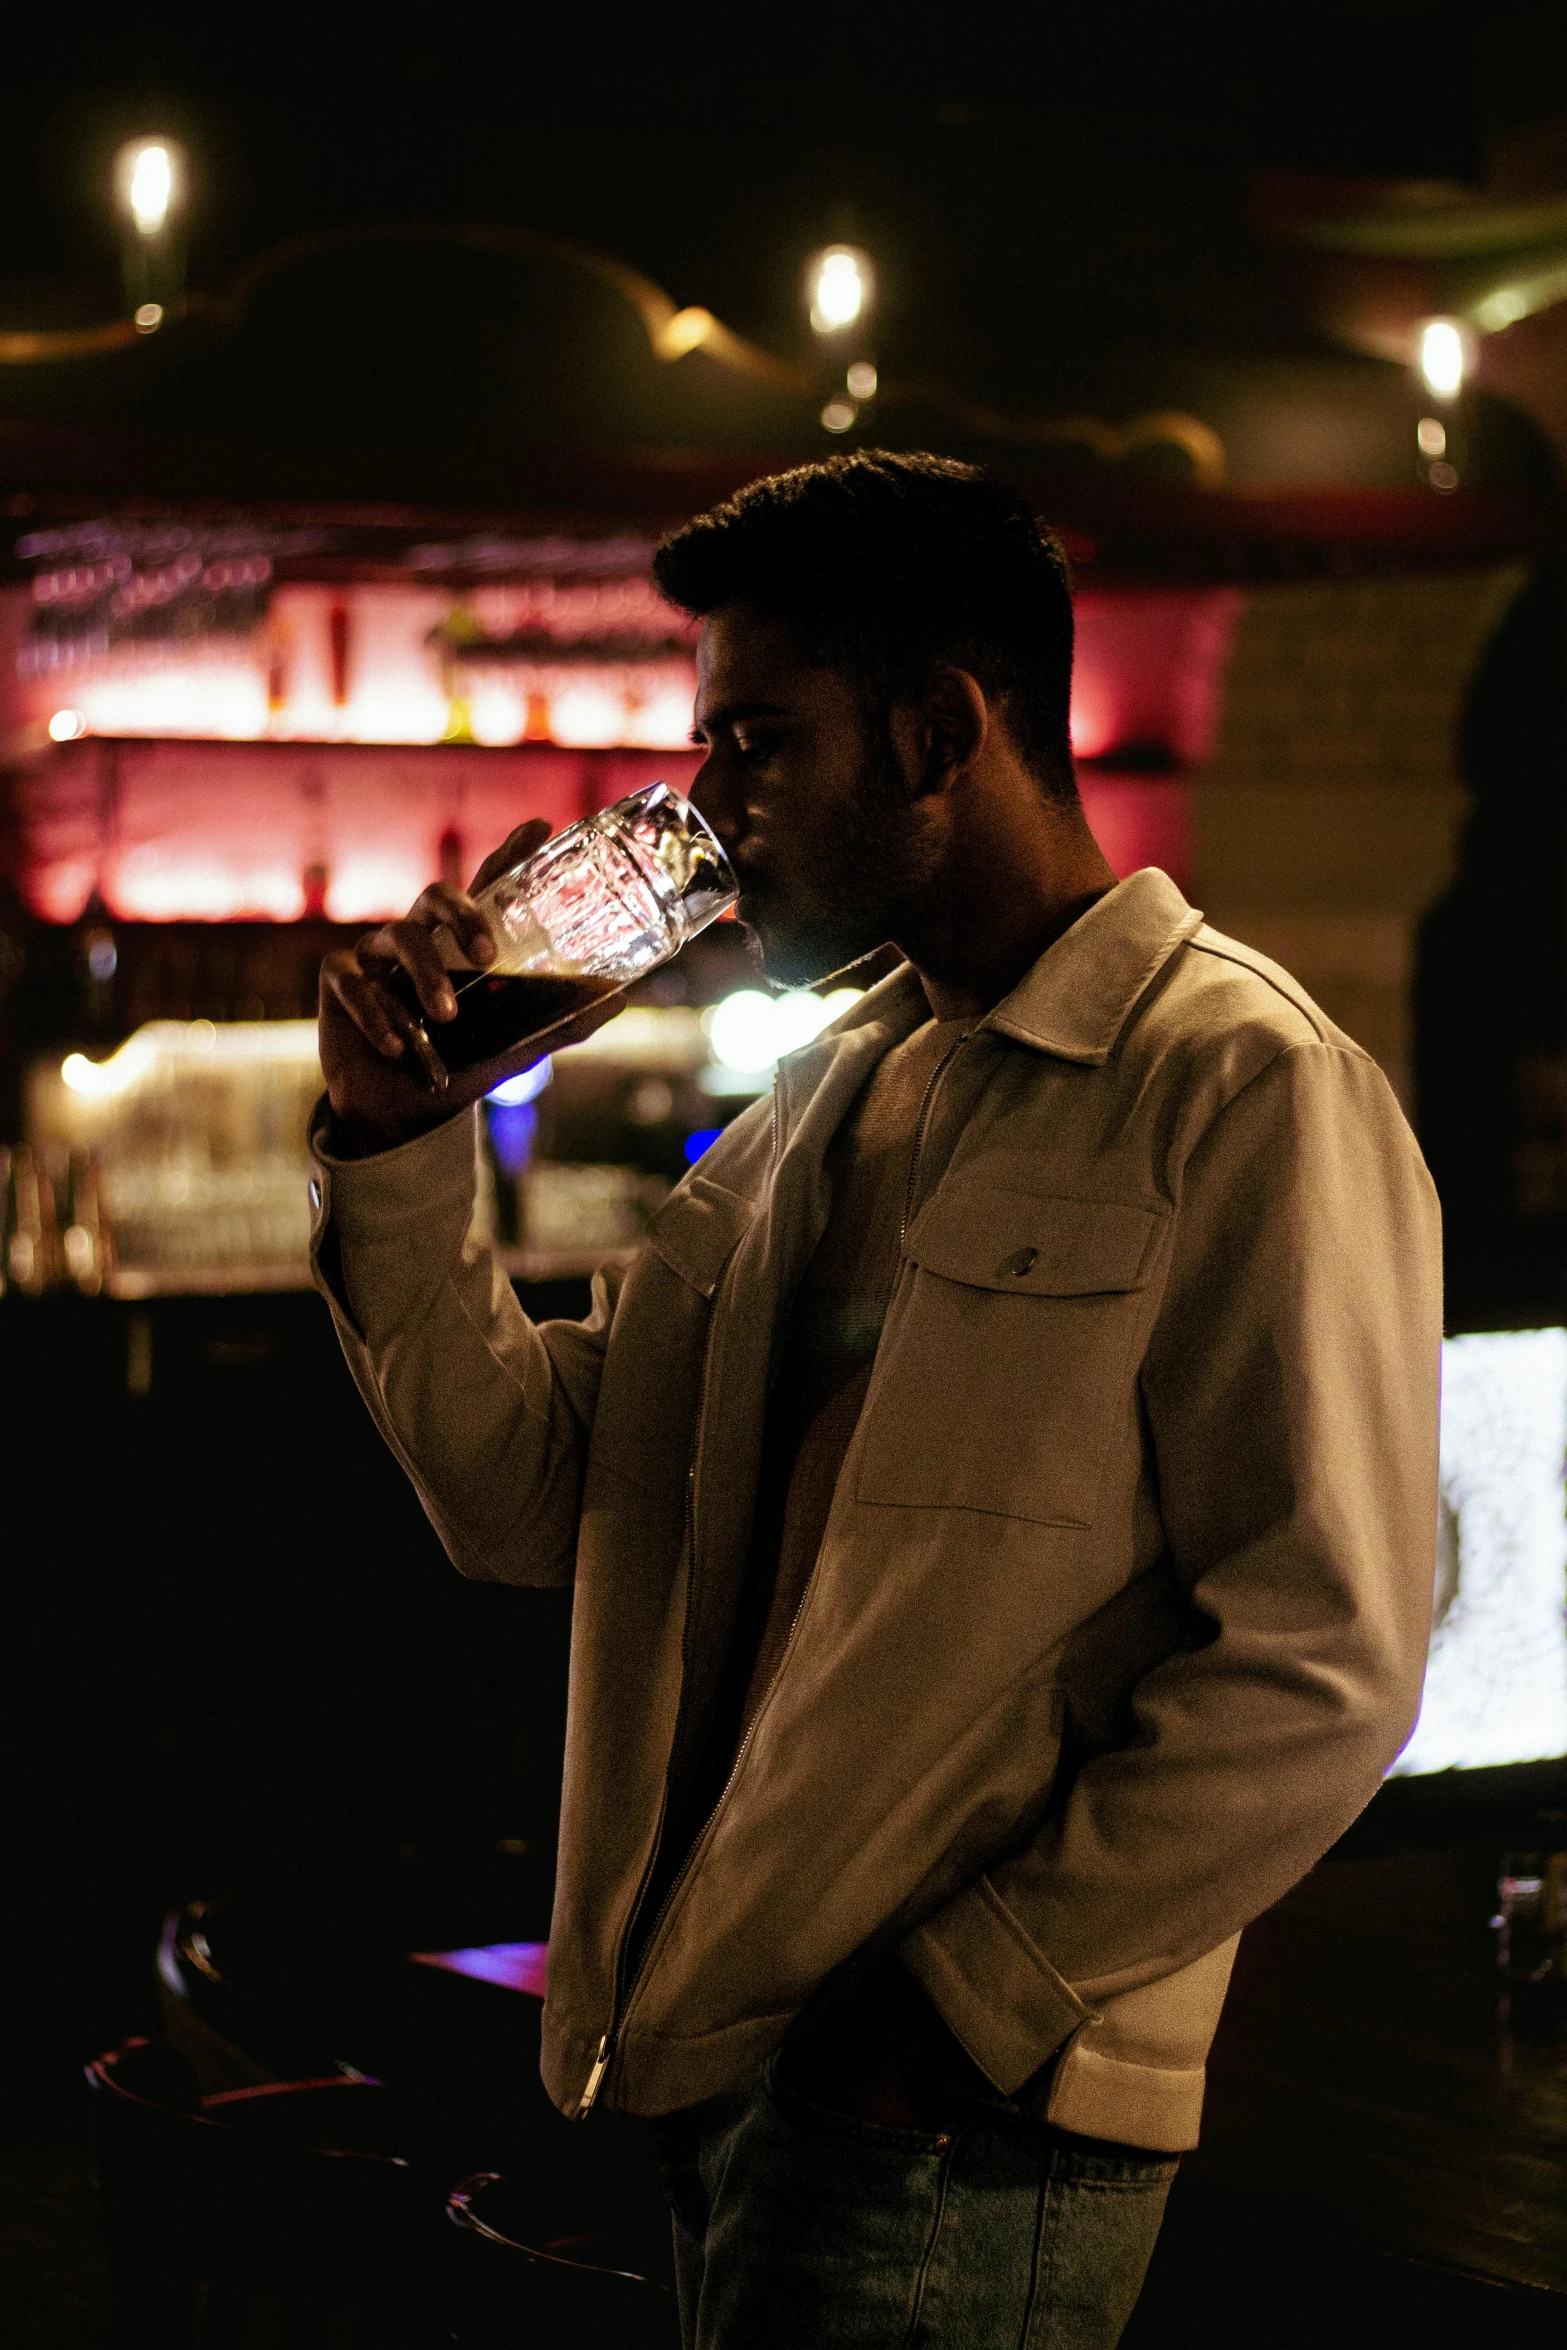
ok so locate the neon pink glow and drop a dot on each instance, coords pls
(230, 826)
(1149, 671)
(212, 832)
(1142, 820)
(365, 665)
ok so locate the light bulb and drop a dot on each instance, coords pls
(1442, 358)
(151, 189)
(147, 174)
(839, 288)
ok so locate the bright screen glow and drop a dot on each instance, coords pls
(1496, 1684)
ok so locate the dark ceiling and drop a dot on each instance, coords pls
(716, 147)
(1061, 203)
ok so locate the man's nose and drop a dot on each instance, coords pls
(713, 801)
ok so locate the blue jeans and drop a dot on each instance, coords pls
(797, 2228)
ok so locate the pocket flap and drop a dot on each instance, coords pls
(1031, 1245)
(697, 1229)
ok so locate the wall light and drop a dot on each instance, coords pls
(1442, 357)
(149, 180)
(103, 1080)
(838, 283)
(150, 188)
(749, 1031)
(149, 193)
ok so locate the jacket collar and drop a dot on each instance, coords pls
(851, 1047)
(1075, 1000)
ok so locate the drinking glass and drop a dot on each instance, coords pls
(602, 903)
(1531, 1929)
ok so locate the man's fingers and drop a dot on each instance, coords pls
(513, 849)
(366, 1003)
(386, 1025)
(449, 916)
(411, 946)
(436, 1074)
(440, 908)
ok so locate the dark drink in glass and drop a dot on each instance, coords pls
(496, 1010)
(599, 905)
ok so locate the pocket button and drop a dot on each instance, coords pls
(1023, 1262)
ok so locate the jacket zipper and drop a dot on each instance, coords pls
(606, 2047)
(622, 1990)
(601, 2063)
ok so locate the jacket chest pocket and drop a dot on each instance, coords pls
(1004, 1369)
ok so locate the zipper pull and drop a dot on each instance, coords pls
(595, 2077)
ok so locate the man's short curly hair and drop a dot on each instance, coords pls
(884, 565)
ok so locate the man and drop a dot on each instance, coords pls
(1000, 1497)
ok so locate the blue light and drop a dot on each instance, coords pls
(702, 1140)
(513, 1090)
(513, 1129)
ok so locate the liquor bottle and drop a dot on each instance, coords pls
(30, 1228)
(97, 965)
(87, 1242)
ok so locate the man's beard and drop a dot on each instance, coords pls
(860, 878)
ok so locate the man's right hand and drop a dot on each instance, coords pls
(382, 1079)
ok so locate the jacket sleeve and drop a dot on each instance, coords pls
(488, 1412)
(1290, 1393)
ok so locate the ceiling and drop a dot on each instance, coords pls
(1218, 212)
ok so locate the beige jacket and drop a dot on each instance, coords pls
(1123, 1602)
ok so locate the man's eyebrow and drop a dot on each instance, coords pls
(732, 713)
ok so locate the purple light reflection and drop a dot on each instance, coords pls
(514, 1966)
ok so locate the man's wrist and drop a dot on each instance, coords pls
(372, 1138)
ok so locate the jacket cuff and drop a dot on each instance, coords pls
(378, 1198)
(997, 1993)
(1102, 2096)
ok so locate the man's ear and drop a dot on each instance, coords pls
(954, 724)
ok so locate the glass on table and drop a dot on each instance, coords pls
(1531, 1946)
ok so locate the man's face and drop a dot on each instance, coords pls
(811, 804)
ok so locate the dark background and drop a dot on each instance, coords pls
(236, 1658)
(1068, 208)
(233, 1657)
